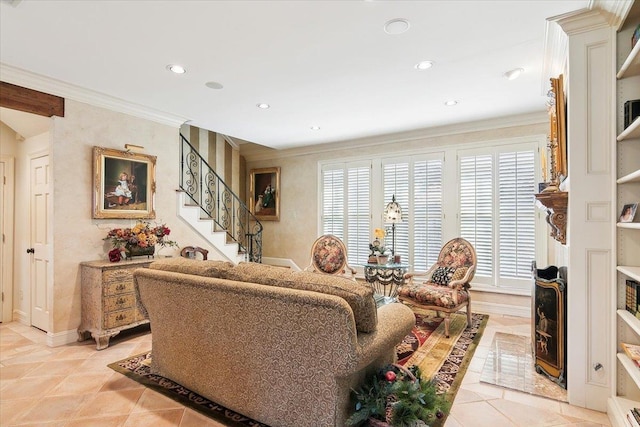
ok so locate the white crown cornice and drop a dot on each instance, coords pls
(616, 10)
(28, 79)
(582, 21)
(266, 153)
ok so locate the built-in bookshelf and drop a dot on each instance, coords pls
(626, 394)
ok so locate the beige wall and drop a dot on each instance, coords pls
(78, 237)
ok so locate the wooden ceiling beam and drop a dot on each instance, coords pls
(30, 101)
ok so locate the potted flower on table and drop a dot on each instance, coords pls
(378, 253)
(138, 240)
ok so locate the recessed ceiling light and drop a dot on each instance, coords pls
(513, 74)
(424, 65)
(263, 106)
(178, 69)
(396, 26)
(213, 85)
(315, 127)
(451, 103)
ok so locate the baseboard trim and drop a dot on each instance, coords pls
(20, 317)
(281, 262)
(500, 309)
(62, 338)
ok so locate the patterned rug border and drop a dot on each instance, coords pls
(451, 372)
(183, 395)
(449, 376)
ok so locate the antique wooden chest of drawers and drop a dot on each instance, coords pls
(108, 299)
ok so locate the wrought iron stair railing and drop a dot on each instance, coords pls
(218, 202)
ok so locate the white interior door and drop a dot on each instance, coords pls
(41, 250)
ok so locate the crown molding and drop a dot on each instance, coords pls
(28, 79)
(267, 153)
(616, 10)
(582, 21)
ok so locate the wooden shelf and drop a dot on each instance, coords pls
(632, 321)
(630, 225)
(632, 177)
(618, 407)
(632, 272)
(630, 367)
(632, 131)
(631, 66)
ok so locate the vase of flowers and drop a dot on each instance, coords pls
(140, 240)
(379, 254)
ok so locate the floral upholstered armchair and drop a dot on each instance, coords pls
(447, 284)
(329, 256)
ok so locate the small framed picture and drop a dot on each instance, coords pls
(265, 193)
(628, 212)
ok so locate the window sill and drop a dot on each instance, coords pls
(495, 290)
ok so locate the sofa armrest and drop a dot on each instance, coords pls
(394, 323)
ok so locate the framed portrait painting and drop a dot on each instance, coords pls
(265, 193)
(124, 184)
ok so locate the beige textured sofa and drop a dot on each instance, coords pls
(284, 348)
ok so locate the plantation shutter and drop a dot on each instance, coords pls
(333, 190)
(395, 177)
(358, 213)
(417, 186)
(476, 208)
(516, 186)
(427, 213)
(346, 206)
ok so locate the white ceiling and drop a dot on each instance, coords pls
(317, 63)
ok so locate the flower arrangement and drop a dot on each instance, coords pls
(397, 396)
(377, 246)
(142, 235)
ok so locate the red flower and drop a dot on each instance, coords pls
(114, 255)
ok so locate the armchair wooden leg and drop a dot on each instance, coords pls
(468, 313)
(447, 321)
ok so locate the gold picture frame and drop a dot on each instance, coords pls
(265, 193)
(558, 132)
(124, 184)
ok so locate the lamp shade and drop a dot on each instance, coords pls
(393, 212)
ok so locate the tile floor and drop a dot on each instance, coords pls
(71, 386)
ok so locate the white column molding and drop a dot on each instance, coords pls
(591, 134)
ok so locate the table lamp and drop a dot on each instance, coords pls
(393, 215)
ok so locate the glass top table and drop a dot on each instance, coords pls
(385, 279)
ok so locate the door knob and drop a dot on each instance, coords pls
(31, 251)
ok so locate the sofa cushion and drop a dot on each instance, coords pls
(358, 295)
(209, 268)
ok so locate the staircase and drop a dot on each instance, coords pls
(214, 211)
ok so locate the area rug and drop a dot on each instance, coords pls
(445, 359)
(510, 364)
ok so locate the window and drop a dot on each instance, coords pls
(497, 214)
(417, 187)
(488, 200)
(346, 206)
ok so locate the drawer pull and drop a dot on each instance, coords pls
(120, 287)
(120, 301)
